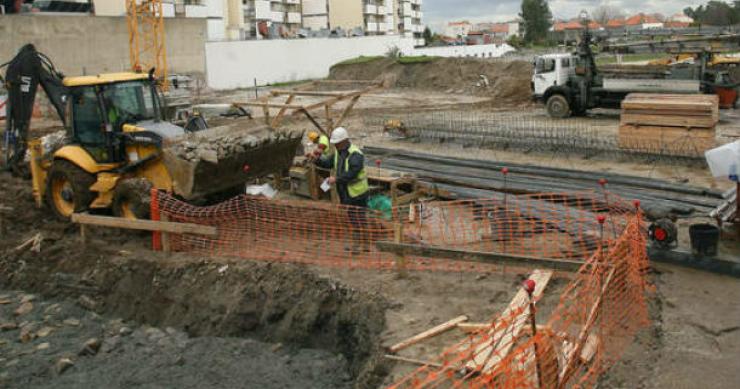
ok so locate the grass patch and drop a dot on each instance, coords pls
(415, 59)
(360, 59)
(289, 83)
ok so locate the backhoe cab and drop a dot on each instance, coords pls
(114, 130)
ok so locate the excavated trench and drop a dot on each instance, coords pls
(284, 305)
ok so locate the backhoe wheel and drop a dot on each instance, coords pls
(68, 189)
(132, 198)
(558, 107)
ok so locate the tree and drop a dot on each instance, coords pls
(428, 38)
(604, 13)
(537, 20)
(715, 13)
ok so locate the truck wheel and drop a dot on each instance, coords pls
(68, 189)
(132, 198)
(557, 107)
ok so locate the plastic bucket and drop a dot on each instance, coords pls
(704, 239)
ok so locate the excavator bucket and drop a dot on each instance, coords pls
(219, 159)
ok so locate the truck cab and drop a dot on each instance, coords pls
(551, 70)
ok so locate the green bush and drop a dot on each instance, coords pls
(360, 59)
(415, 59)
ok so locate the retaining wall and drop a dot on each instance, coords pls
(85, 44)
(236, 64)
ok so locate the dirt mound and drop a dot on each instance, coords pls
(508, 82)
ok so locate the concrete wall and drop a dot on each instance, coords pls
(109, 7)
(479, 51)
(80, 44)
(236, 64)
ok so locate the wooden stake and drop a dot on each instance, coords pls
(413, 361)
(446, 326)
(165, 236)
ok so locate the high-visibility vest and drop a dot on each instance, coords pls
(359, 186)
(324, 140)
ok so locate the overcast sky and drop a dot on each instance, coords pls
(438, 12)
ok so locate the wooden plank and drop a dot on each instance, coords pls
(413, 361)
(346, 111)
(571, 360)
(279, 117)
(145, 225)
(668, 120)
(306, 93)
(477, 256)
(444, 327)
(501, 340)
(473, 327)
(269, 105)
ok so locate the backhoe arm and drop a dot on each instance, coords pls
(25, 72)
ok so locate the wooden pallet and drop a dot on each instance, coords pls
(669, 140)
(694, 110)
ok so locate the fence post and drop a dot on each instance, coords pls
(154, 215)
(398, 238)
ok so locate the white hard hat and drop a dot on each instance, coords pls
(338, 135)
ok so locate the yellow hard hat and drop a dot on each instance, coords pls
(313, 136)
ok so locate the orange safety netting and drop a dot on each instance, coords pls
(597, 316)
(558, 226)
(598, 313)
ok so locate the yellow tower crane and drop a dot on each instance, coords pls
(147, 47)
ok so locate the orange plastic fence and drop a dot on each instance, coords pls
(598, 313)
(546, 226)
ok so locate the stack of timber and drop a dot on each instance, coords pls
(681, 125)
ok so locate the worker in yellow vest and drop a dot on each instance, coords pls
(350, 178)
(323, 148)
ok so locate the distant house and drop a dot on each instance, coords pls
(475, 38)
(571, 31)
(615, 24)
(678, 20)
(458, 29)
(642, 21)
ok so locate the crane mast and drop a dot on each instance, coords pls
(147, 47)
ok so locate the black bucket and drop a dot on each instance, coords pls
(704, 239)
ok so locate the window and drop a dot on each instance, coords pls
(565, 62)
(544, 65)
(88, 123)
(129, 102)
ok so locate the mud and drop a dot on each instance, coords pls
(508, 82)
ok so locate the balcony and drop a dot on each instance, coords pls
(381, 10)
(371, 27)
(371, 9)
(277, 16)
(262, 10)
(419, 42)
(294, 17)
(292, 1)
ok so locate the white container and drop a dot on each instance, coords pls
(724, 161)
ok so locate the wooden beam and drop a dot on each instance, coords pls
(571, 360)
(501, 339)
(146, 225)
(446, 326)
(413, 361)
(276, 121)
(315, 123)
(346, 111)
(269, 105)
(473, 327)
(477, 256)
(306, 93)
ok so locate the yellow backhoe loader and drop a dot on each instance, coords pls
(118, 145)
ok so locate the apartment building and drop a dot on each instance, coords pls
(267, 19)
(409, 16)
(372, 17)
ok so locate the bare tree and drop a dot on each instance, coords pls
(604, 13)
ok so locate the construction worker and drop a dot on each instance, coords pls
(349, 177)
(323, 148)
